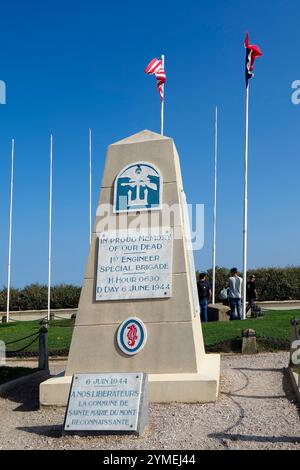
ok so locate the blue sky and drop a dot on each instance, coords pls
(69, 66)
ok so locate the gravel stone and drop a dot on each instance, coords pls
(256, 409)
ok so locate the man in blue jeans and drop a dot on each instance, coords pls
(235, 293)
(204, 294)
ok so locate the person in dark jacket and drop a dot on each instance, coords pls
(204, 294)
(251, 293)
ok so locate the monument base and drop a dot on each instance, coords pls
(295, 381)
(202, 387)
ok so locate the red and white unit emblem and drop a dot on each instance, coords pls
(132, 336)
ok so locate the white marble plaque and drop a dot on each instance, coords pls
(106, 402)
(135, 264)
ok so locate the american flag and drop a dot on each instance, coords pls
(155, 67)
(252, 52)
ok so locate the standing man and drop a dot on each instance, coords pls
(251, 293)
(204, 294)
(235, 294)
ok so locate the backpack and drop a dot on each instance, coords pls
(223, 294)
(202, 290)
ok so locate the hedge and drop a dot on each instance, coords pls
(35, 297)
(271, 283)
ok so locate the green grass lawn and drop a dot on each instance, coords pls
(59, 334)
(275, 324)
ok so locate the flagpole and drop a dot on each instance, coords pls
(215, 208)
(245, 230)
(162, 101)
(10, 228)
(50, 229)
(90, 182)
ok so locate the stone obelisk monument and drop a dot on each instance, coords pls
(138, 309)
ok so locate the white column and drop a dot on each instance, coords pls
(162, 102)
(90, 182)
(215, 209)
(245, 229)
(10, 227)
(50, 229)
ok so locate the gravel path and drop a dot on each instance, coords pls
(256, 410)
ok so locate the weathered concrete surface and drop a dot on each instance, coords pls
(218, 312)
(175, 343)
(249, 345)
(29, 315)
(295, 379)
(279, 305)
(162, 388)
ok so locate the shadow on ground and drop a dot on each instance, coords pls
(53, 430)
(27, 394)
(228, 435)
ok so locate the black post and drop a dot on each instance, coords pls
(294, 336)
(43, 346)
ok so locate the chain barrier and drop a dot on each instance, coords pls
(40, 336)
(22, 339)
(24, 347)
